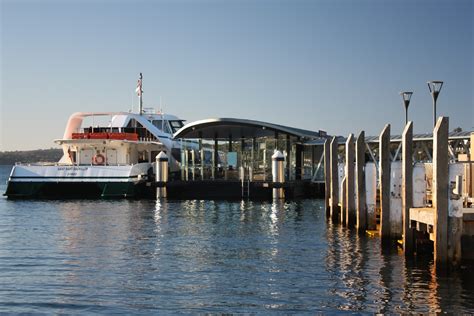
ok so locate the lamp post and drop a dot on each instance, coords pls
(406, 96)
(435, 88)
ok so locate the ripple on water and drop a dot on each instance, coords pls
(206, 256)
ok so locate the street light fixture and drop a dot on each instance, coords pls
(406, 95)
(435, 88)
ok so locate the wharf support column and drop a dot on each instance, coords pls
(327, 177)
(350, 200)
(361, 207)
(343, 201)
(407, 188)
(440, 190)
(278, 174)
(334, 180)
(161, 175)
(384, 178)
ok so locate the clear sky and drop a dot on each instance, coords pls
(333, 65)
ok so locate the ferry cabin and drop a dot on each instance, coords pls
(128, 139)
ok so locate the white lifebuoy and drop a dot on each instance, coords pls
(99, 159)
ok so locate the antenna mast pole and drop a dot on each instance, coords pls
(140, 92)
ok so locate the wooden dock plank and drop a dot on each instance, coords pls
(425, 215)
(468, 215)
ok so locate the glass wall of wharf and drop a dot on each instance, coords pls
(247, 159)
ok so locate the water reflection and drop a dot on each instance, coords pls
(207, 257)
(365, 276)
(161, 220)
(346, 258)
(386, 272)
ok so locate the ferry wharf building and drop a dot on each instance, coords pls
(232, 158)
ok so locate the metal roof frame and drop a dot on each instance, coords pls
(239, 128)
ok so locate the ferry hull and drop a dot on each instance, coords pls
(82, 190)
(60, 182)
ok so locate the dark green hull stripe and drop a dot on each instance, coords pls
(59, 190)
(40, 177)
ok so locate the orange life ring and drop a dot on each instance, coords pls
(98, 159)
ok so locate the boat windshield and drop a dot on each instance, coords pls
(176, 125)
(162, 126)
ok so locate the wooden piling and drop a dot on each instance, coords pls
(334, 180)
(350, 198)
(471, 158)
(407, 187)
(343, 201)
(327, 176)
(361, 207)
(440, 190)
(384, 178)
(455, 229)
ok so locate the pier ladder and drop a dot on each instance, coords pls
(245, 181)
(245, 188)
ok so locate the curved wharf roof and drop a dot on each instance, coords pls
(398, 138)
(239, 128)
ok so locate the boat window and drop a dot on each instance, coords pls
(162, 125)
(176, 125)
(134, 124)
(158, 124)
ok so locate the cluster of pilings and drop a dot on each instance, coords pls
(391, 211)
(348, 206)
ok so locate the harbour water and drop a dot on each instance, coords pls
(136, 257)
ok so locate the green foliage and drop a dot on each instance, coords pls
(30, 156)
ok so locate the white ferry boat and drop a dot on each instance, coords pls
(114, 160)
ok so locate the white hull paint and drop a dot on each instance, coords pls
(67, 173)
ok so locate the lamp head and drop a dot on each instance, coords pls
(435, 86)
(406, 96)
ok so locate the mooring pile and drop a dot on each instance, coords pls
(403, 200)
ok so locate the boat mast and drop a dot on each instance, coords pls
(139, 91)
